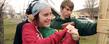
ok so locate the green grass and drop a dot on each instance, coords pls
(10, 28)
(88, 39)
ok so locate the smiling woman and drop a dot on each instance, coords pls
(39, 31)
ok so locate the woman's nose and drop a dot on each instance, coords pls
(49, 17)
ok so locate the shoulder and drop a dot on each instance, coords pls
(57, 19)
(29, 28)
(28, 25)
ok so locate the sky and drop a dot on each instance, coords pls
(20, 5)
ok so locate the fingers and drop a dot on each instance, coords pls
(65, 24)
(70, 27)
(68, 23)
(73, 31)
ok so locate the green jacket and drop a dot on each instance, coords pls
(85, 27)
(46, 31)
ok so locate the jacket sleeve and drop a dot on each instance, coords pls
(86, 27)
(68, 39)
(31, 36)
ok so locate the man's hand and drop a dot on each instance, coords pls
(72, 30)
(65, 24)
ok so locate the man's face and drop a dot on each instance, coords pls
(66, 12)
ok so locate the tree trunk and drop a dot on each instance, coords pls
(1, 28)
(1, 24)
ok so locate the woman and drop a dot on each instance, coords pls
(39, 32)
(30, 17)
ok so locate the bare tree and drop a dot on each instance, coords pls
(90, 5)
(1, 22)
(8, 11)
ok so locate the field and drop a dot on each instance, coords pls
(10, 28)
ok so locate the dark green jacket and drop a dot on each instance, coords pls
(84, 27)
(46, 31)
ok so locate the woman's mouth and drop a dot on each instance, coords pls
(47, 21)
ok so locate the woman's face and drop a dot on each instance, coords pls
(45, 17)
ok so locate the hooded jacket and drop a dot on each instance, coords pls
(31, 35)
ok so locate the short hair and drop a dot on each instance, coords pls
(67, 3)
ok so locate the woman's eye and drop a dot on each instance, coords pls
(46, 14)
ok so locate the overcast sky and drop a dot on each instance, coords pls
(19, 5)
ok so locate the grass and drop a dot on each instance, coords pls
(88, 39)
(10, 28)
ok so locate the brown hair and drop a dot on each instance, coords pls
(67, 3)
(36, 19)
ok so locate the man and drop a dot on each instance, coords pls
(85, 28)
(30, 17)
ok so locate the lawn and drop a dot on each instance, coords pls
(10, 28)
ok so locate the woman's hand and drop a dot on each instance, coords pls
(73, 31)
